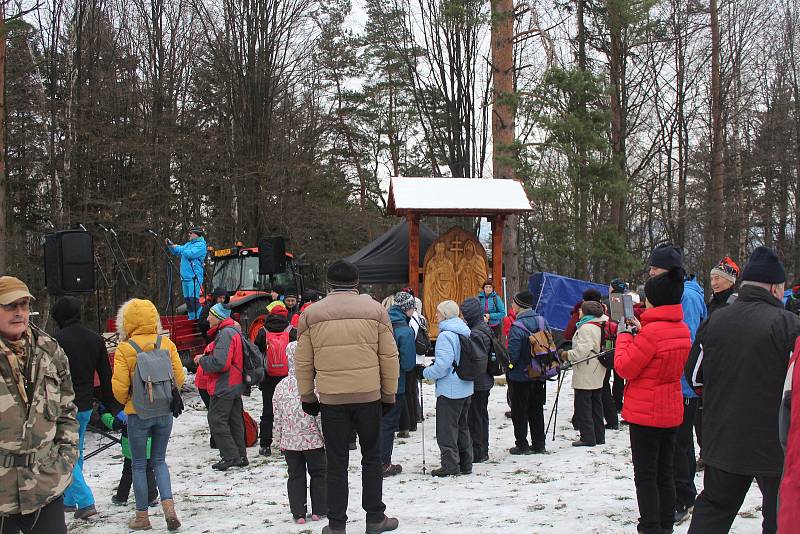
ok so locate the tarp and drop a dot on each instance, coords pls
(556, 295)
(385, 260)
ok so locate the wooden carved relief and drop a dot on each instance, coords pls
(455, 268)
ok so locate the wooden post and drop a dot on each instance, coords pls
(498, 223)
(413, 252)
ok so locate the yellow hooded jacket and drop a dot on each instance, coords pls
(138, 320)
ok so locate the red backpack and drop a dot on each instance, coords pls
(276, 361)
(250, 429)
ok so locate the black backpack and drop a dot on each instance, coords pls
(473, 359)
(498, 361)
(606, 357)
(422, 342)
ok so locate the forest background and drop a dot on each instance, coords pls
(630, 122)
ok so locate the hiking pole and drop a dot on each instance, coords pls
(554, 412)
(592, 357)
(422, 422)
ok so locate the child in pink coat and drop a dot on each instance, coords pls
(299, 437)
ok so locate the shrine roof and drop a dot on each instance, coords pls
(456, 196)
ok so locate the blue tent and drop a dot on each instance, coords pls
(556, 295)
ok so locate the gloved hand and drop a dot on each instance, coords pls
(122, 417)
(419, 369)
(311, 408)
(386, 407)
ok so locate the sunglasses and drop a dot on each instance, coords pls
(24, 305)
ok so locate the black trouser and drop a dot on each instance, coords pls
(337, 422)
(267, 387)
(227, 427)
(685, 463)
(609, 407)
(206, 398)
(479, 424)
(617, 391)
(527, 410)
(452, 433)
(722, 496)
(46, 520)
(409, 415)
(298, 464)
(126, 480)
(698, 426)
(589, 415)
(652, 451)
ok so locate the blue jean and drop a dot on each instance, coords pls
(390, 423)
(159, 429)
(78, 493)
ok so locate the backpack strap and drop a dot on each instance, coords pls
(540, 323)
(135, 346)
(522, 327)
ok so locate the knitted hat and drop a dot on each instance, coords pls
(524, 299)
(197, 230)
(591, 307)
(279, 309)
(448, 309)
(764, 266)
(618, 285)
(404, 301)
(408, 290)
(291, 293)
(220, 311)
(342, 274)
(592, 294)
(219, 292)
(666, 256)
(726, 269)
(666, 288)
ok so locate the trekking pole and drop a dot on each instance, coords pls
(422, 422)
(554, 412)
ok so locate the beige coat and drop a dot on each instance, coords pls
(345, 343)
(589, 374)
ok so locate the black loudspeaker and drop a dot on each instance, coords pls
(69, 262)
(271, 255)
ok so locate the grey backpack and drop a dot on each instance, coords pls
(152, 381)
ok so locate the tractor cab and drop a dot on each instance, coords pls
(236, 269)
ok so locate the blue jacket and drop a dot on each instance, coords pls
(448, 349)
(192, 254)
(519, 348)
(404, 337)
(496, 308)
(694, 312)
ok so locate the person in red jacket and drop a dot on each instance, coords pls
(789, 426)
(652, 363)
(572, 326)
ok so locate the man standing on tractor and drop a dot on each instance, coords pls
(192, 254)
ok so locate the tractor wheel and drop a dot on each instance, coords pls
(252, 317)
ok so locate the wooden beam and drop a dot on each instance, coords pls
(413, 252)
(498, 223)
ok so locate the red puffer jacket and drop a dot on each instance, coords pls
(789, 511)
(652, 363)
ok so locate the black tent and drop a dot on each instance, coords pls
(385, 260)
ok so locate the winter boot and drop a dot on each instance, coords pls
(85, 513)
(140, 522)
(329, 530)
(168, 505)
(388, 523)
(442, 472)
(224, 465)
(264, 451)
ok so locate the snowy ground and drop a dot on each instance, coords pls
(567, 491)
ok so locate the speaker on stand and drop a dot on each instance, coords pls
(271, 255)
(69, 262)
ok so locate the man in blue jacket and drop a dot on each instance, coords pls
(493, 308)
(527, 394)
(694, 312)
(192, 254)
(399, 314)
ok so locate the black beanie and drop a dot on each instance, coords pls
(764, 266)
(342, 274)
(666, 256)
(524, 299)
(666, 288)
(592, 294)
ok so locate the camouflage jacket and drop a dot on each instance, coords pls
(39, 440)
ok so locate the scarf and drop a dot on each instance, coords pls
(586, 319)
(18, 353)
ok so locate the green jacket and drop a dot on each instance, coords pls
(38, 439)
(115, 424)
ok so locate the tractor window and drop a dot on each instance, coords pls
(226, 274)
(228, 271)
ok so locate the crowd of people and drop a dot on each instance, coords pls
(346, 369)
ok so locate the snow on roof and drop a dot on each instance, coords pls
(456, 195)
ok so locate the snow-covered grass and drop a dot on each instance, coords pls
(569, 490)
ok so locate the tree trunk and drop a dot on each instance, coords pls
(796, 94)
(3, 181)
(716, 231)
(504, 110)
(616, 63)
